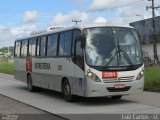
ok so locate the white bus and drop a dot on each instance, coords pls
(88, 61)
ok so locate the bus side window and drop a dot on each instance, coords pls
(76, 34)
(79, 57)
(65, 43)
(52, 45)
(17, 49)
(32, 47)
(38, 47)
(43, 46)
(24, 48)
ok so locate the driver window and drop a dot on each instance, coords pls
(79, 58)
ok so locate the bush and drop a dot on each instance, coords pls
(152, 79)
(6, 67)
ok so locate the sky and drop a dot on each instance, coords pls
(19, 18)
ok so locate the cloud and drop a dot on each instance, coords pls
(100, 20)
(30, 17)
(109, 4)
(7, 38)
(66, 19)
(2, 27)
(123, 11)
(9, 35)
(22, 30)
(133, 13)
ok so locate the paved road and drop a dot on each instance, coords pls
(24, 112)
(52, 102)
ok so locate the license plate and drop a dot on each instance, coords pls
(109, 75)
(119, 86)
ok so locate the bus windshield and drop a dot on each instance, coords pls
(112, 46)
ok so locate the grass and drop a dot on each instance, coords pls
(6, 67)
(152, 79)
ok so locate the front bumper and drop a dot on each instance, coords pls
(96, 89)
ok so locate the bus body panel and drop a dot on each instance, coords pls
(47, 74)
(100, 89)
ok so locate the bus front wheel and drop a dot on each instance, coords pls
(67, 91)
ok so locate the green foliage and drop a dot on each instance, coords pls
(152, 79)
(6, 67)
(5, 49)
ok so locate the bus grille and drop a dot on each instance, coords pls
(120, 79)
(112, 89)
(127, 78)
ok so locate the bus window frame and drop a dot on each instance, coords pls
(65, 56)
(21, 48)
(75, 53)
(38, 39)
(20, 41)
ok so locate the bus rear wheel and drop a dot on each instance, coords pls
(31, 88)
(67, 91)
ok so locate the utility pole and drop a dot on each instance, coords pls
(76, 21)
(156, 59)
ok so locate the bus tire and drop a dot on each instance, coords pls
(31, 88)
(116, 97)
(66, 89)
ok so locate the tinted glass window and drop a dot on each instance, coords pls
(79, 55)
(76, 34)
(17, 49)
(112, 47)
(38, 46)
(65, 43)
(24, 48)
(52, 45)
(32, 47)
(43, 46)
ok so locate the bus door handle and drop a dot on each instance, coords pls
(59, 67)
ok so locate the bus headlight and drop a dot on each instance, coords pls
(140, 75)
(93, 76)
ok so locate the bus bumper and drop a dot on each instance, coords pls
(96, 89)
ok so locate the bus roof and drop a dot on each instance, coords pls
(81, 27)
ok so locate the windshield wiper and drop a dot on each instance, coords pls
(124, 53)
(110, 60)
(118, 52)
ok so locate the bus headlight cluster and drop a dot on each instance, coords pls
(93, 76)
(140, 75)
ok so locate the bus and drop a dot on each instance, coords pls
(88, 61)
